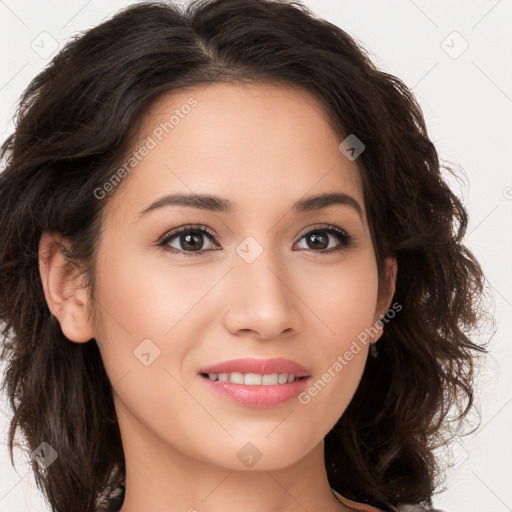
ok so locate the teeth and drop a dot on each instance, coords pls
(253, 379)
(237, 378)
(271, 379)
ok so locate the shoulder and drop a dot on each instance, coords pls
(362, 507)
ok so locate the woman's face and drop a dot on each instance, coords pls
(255, 286)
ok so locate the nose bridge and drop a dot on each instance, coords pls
(261, 297)
(259, 269)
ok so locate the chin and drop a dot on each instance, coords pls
(259, 454)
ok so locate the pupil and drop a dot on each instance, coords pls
(318, 239)
(190, 239)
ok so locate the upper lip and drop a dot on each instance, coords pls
(260, 366)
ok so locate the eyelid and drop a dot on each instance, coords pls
(347, 240)
(318, 227)
(184, 229)
(192, 227)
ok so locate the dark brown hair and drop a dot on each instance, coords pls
(76, 122)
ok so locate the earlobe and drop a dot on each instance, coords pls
(66, 298)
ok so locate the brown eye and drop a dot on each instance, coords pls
(189, 241)
(323, 240)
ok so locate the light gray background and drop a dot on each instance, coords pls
(466, 96)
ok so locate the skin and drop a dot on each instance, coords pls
(262, 147)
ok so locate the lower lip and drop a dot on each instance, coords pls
(257, 396)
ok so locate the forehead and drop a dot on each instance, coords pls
(259, 145)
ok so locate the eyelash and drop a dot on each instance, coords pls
(346, 240)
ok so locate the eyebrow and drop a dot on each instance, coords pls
(220, 205)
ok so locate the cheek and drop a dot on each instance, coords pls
(148, 299)
(144, 308)
(140, 315)
(343, 298)
(345, 305)
(328, 395)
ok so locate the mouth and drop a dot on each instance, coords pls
(253, 368)
(260, 383)
(253, 379)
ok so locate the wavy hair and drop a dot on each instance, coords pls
(75, 123)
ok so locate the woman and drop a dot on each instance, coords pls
(232, 273)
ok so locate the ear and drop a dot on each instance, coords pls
(67, 299)
(387, 285)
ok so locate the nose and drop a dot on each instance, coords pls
(261, 299)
